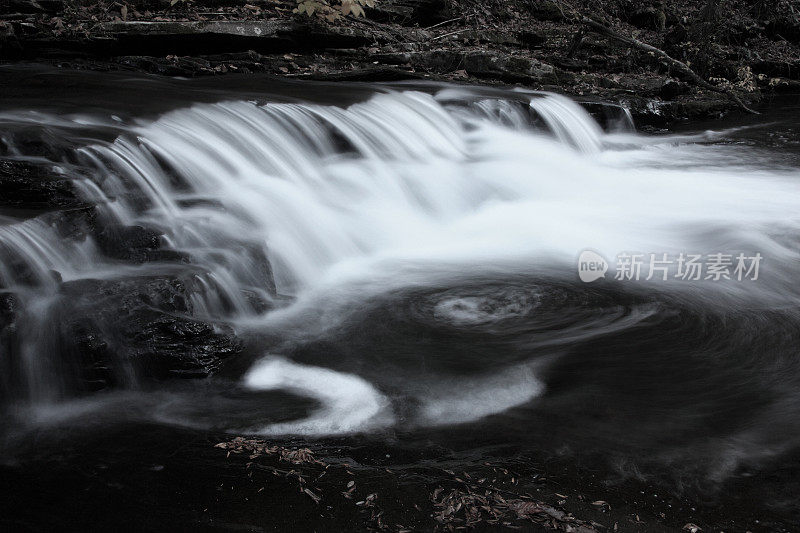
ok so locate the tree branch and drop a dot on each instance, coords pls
(678, 65)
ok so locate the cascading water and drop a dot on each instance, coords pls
(409, 261)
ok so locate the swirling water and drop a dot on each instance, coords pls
(423, 243)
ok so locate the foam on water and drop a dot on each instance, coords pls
(468, 400)
(349, 403)
(408, 189)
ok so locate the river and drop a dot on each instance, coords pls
(411, 270)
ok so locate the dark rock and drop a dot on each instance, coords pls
(26, 185)
(167, 346)
(784, 29)
(9, 307)
(257, 302)
(142, 327)
(493, 65)
(168, 295)
(195, 38)
(488, 37)
(570, 64)
(777, 69)
(94, 358)
(674, 39)
(649, 18)
(128, 243)
(9, 313)
(375, 74)
(672, 88)
(611, 117)
(532, 39)
(546, 10)
(9, 45)
(410, 12)
(782, 85)
(76, 224)
(35, 6)
(650, 112)
(48, 143)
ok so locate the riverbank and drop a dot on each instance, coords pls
(180, 480)
(536, 45)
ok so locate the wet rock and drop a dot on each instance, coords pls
(657, 113)
(25, 185)
(76, 224)
(49, 144)
(135, 244)
(141, 327)
(9, 312)
(611, 117)
(94, 357)
(9, 307)
(168, 347)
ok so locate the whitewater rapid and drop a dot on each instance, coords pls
(412, 190)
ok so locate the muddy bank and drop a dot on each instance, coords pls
(751, 49)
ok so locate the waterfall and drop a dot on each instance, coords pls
(313, 209)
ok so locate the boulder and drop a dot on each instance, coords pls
(134, 244)
(31, 186)
(141, 327)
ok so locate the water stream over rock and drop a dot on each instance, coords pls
(397, 263)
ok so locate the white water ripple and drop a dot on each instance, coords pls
(350, 404)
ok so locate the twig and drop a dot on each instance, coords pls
(442, 23)
(679, 65)
(449, 34)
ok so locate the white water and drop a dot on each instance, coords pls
(468, 400)
(419, 182)
(349, 403)
(408, 189)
